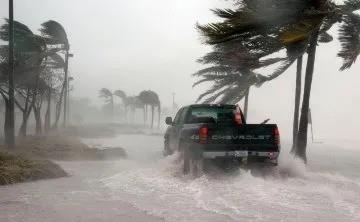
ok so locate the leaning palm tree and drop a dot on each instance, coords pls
(150, 98)
(145, 99)
(155, 103)
(31, 56)
(55, 34)
(109, 99)
(122, 95)
(291, 22)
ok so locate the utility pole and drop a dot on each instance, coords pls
(10, 128)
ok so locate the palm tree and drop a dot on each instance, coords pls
(109, 99)
(122, 95)
(55, 34)
(134, 102)
(53, 78)
(155, 103)
(294, 24)
(30, 53)
(150, 98)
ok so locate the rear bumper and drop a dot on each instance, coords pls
(250, 154)
(239, 154)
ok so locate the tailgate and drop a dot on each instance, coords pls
(250, 137)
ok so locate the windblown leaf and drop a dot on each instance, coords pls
(349, 37)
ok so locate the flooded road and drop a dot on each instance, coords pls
(147, 187)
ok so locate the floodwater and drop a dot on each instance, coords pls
(148, 187)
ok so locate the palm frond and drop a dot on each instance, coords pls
(234, 95)
(105, 93)
(20, 31)
(349, 37)
(325, 37)
(351, 5)
(121, 94)
(218, 69)
(215, 96)
(54, 33)
(56, 61)
(282, 68)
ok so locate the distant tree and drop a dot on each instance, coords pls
(133, 103)
(150, 98)
(122, 95)
(108, 96)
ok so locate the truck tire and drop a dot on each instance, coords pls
(167, 151)
(192, 164)
(186, 158)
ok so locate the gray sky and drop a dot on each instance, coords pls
(140, 44)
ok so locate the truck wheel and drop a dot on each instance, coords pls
(186, 159)
(166, 151)
(196, 166)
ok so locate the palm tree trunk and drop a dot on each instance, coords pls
(7, 122)
(246, 104)
(58, 108)
(26, 113)
(152, 116)
(303, 127)
(38, 121)
(146, 113)
(48, 112)
(159, 115)
(23, 127)
(144, 109)
(297, 102)
(66, 86)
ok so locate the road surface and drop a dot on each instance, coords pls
(148, 187)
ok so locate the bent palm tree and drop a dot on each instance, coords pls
(292, 23)
(151, 98)
(122, 95)
(55, 34)
(109, 99)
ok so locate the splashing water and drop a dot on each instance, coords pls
(295, 193)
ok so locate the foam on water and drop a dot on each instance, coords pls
(299, 194)
(294, 193)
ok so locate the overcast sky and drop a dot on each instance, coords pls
(140, 44)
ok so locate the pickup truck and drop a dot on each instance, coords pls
(220, 132)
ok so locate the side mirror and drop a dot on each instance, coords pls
(168, 121)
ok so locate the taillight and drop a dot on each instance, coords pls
(237, 116)
(203, 134)
(276, 135)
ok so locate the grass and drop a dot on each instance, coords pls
(30, 160)
(64, 148)
(16, 169)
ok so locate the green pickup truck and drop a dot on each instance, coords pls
(220, 132)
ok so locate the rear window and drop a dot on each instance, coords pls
(211, 115)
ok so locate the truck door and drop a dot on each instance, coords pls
(178, 125)
(173, 130)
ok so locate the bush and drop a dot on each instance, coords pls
(16, 169)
